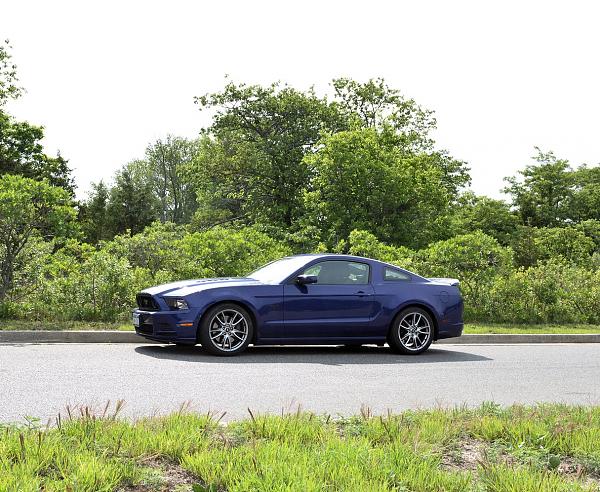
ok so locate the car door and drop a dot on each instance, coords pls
(339, 305)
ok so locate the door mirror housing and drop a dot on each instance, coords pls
(306, 279)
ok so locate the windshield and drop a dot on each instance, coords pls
(277, 271)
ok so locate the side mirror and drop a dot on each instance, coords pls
(306, 279)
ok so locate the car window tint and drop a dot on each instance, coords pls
(339, 272)
(394, 275)
(313, 270)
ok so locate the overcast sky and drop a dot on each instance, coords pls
(106, 78)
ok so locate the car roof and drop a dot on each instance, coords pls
(336, 256)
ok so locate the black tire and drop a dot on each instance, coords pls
(230, 319)
(412, 331)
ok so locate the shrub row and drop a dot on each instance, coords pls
(75, 281)
(80, 282)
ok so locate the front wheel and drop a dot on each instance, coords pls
(226, 329)
(412, 331)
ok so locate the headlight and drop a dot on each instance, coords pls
(175, 303)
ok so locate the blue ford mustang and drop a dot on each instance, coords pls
(304, 299)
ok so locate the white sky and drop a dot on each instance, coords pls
(106, 78)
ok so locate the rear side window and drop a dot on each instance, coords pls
(393, 275)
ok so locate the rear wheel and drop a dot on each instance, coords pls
(226, 329)
(412, 331)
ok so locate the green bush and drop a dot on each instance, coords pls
(153, 249)
(363, 243)
(81, 282)
(225, 252)
(532, 245)
(552, 292)
(564, 289)
(475, 259)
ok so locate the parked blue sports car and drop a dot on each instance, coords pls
(305, 299)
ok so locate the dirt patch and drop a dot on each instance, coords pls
(466, 456)
(570, 468)
(170, 477)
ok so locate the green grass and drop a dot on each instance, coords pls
(480, 328)
(14, 324)
(545, 448)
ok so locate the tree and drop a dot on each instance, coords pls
(252, 164)
(93, 214)
(585, 204)
(167, 161)
(28, 208)
(363, 181)
(565, 243)
(480, 213)
(376, 105)
(406, 125)
(543, 197)
(132, 204)
(221, 174)
(261, 135)
(21, 151)
(9, 88)
(591, 228)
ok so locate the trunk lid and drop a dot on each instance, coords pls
(444, 281)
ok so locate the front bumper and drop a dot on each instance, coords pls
(167, 326)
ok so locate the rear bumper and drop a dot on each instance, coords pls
(450, 330)
(168, 327)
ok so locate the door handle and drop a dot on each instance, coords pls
(362, 293)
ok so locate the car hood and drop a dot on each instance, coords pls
(187, 287)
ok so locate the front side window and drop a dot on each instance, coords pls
(393, 275)
(339, 272)
(277, 271)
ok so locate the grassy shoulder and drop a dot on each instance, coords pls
(18, 324)
(470, 328)
(543, 448)
(483, 328)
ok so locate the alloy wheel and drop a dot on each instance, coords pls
(414, 331)
(228, 330)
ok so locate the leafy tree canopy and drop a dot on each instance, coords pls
(373, 104)
(363, 181)
(542, 197)
(9, 88)
(29, 208)
(481, 213)
(21, 151)
(167, 161)
(132, 204)
(262, 135)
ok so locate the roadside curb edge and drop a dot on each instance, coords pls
(110, 336)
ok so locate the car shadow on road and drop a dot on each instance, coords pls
(328, 355)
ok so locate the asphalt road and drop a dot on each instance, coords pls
(40, 380)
